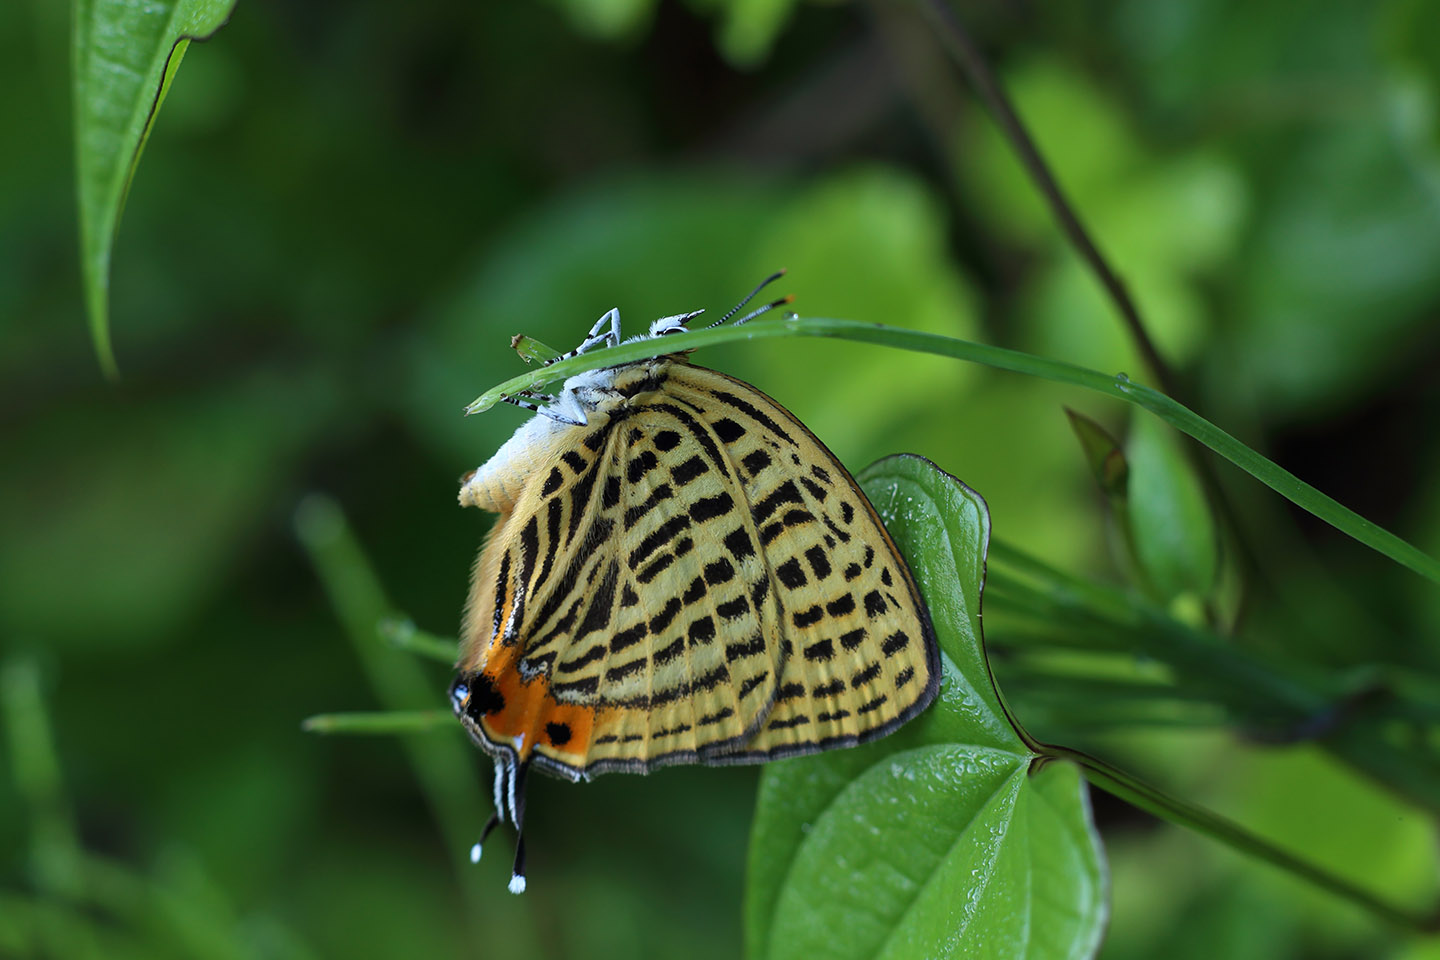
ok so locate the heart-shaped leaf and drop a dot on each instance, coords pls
(949, 838)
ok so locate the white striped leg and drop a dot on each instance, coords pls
(549, 412)
(595, 338)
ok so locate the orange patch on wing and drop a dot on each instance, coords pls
(530, 711)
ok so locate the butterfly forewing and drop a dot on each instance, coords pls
(691, 576)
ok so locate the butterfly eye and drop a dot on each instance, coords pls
(459, 693)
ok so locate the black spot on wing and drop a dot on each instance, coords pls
(872, 705)
(752, 647)
(626, 638)
(818, 562)
(787, 492)
(667, 613)
(553, 482)
(790, 574)
(719, 571)
(642, 464)
(755, 461)
(635, 513)
(753, 413)
(657, 538)
(708, 508)
(727, 430)
(814, 489)
(689, 470)
(502, 587)
(733, 609)
(894, 643)
(702, 631)
(807, 617)
(739, 544)
(597, 615)
(865, 676)
(821, 650)
(582, 661)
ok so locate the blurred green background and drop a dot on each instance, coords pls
(346, 210)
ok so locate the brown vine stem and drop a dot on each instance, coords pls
(982, 78)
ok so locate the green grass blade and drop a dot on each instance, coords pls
(381, 722)
(1118, 386)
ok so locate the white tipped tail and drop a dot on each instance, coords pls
(517, 884)
(475, 853)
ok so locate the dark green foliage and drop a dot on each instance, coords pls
(345, 211)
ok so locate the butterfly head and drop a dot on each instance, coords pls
(676, 324)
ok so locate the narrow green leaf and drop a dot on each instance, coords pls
(381, 722)
(946, 834)
(124, 58)
(403, 634)
(531, 349)
(1120, 386)
(1172, 530)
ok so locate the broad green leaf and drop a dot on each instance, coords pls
(125, 56)
(944, 839)
(751, 27)
(1171, 527)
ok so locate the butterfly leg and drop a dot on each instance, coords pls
(595, 338)
(567, 417)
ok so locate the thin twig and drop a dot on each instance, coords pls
(958, 41)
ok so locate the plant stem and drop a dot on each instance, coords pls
(404, 635)
(381, 722)
(55, 846)
(443, 766)
(957, 40)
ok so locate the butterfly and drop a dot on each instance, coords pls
(680, 573)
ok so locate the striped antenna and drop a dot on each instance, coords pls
(748, 297)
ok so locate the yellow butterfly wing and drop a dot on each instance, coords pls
(690, 577)
(863, 657)
(617, 613)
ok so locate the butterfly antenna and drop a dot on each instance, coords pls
(490, 826)
(517, 872)
(763, 310)
(751, 296)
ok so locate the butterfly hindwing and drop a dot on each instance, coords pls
(688, 669)
(626, 595)
(864, 655)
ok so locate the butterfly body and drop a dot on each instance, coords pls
(681, 572)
